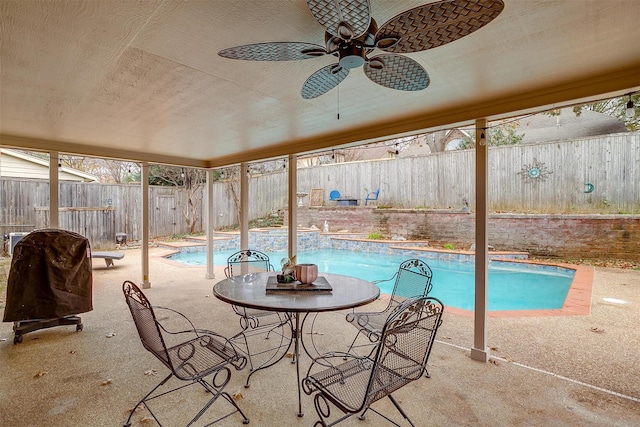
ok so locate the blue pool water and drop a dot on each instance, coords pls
(511, 286)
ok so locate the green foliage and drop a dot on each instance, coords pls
(177, 237)
(272, 220)
(267, 221)
(496, 136)
(616, 107)
(374, 236)
(449, 246)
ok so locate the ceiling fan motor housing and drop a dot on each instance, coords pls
(352, 55)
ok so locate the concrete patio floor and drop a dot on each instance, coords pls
(556, 370)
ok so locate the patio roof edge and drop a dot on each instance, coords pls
(41, 144)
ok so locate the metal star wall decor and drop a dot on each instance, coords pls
(534, 172)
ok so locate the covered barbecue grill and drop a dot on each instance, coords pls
(50, 281)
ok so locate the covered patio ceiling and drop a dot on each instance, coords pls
(142, 80)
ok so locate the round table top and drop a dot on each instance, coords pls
(250, 291)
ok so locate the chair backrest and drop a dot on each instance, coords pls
(247, 261)
(413, 279)
(334, 195)
(374, 195)
(145, 320)
(405, 346)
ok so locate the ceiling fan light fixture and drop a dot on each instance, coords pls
(352, 56)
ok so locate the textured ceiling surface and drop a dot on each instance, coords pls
(143, 80)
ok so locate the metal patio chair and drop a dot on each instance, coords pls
(412, 279)
(355, 384)
(255, 322)
(373, 196)
(197, 355)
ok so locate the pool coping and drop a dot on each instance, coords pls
(576, 303)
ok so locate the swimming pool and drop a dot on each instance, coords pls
(511, 286)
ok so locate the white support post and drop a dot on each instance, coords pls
(244, 211)
(145, 225)
(54, 190)
(480, 350)
(209, 224)
(293, 206)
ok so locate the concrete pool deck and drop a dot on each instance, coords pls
(578, 370)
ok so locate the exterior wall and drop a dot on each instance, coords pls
(566, 236)
(15, 167)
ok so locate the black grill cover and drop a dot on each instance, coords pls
(50, 276)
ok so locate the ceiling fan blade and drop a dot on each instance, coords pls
(435, 24)
(275, 51)
(397, 72)
(334, 14)
(323, 80)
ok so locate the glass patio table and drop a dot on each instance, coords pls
(250, 290)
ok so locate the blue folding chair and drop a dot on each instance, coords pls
(372, 196)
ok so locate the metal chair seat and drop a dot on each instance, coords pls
(199, 357)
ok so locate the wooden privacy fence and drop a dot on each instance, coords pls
(96, 224)
(587, 175)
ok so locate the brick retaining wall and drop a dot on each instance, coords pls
(565, 236)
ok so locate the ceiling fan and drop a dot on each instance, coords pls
(352, 35)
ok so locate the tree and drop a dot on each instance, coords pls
(503, 134)
(118, 171)
(231, 176)
(192, 180)
(616, 107)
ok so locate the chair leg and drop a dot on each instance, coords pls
(228, 397)
(397, 405)
(353, 343)
(143, 400)
(244, 347)
(217, 391)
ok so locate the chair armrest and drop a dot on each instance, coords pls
(375, 282)
(181, 316)
(351, 316)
